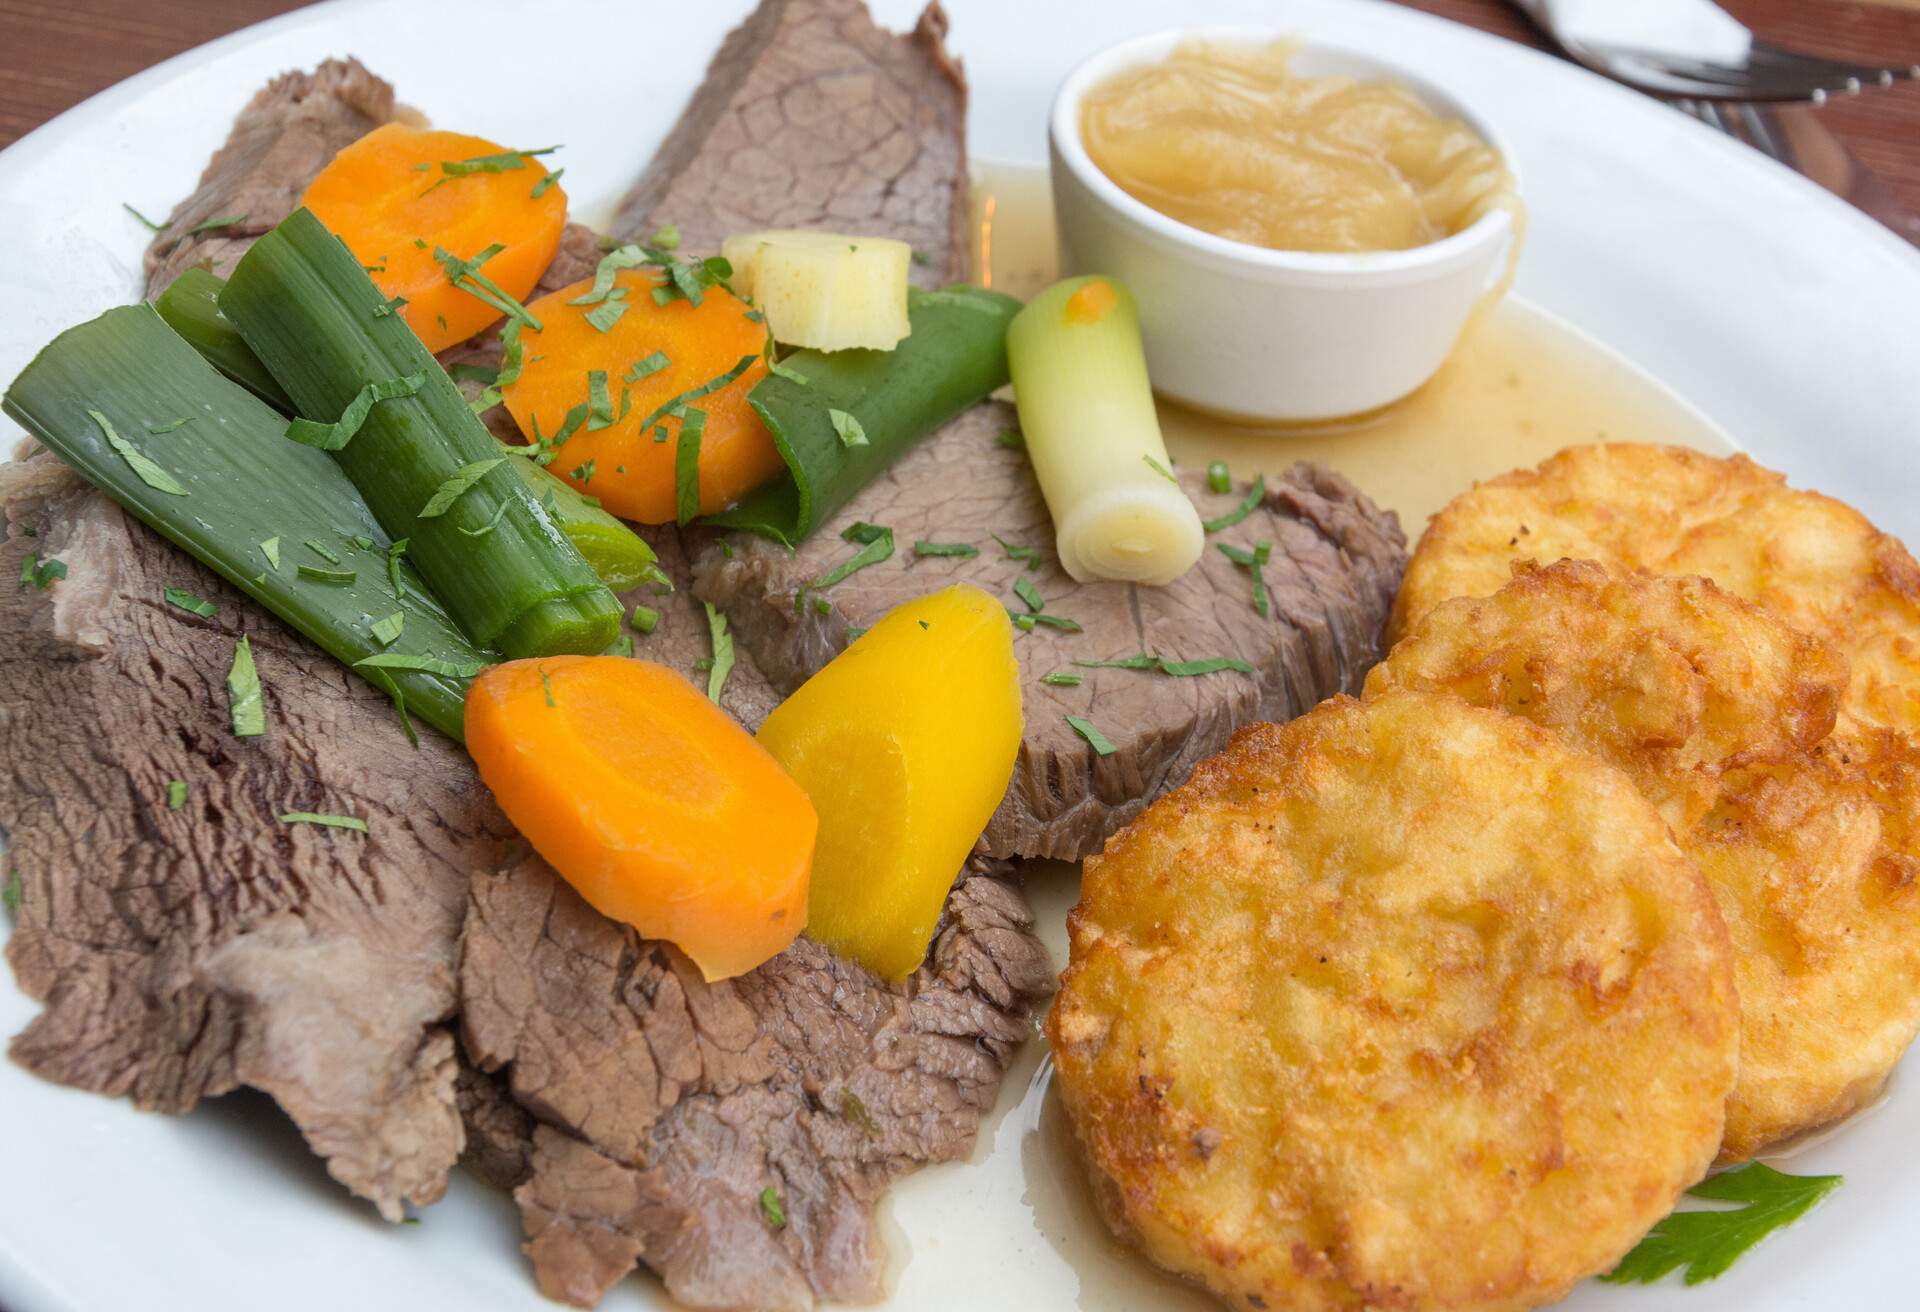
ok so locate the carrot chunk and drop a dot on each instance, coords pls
(388, 197)
(651, 801)
(646, 354)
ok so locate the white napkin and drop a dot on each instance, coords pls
(1694, 29)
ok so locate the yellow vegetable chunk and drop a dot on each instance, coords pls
(828, 291)
(905, 743)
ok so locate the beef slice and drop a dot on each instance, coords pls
(1335, 565)
(812, 116)
(666, 1108)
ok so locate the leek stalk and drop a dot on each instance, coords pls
(243, 486)
(191, 307)
(427, 467)
(1086, 408)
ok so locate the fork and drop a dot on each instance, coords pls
(1768, 73)
(1756, 125)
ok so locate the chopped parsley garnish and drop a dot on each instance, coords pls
(599, 402)
(386, 308)
(362, 541)
(10, 893)
(456, 486)
(778, 369)
(1010, 439)
(849, 429)
(271, 548)
(1708, 1242)
(771, 1209)
(1253, 562)
(398, 660)
(386, 632)
(188, 602)
(854, 1112)
(686, 467)
(645, 618)
(507, 161)
(583, 472)
(339, 578)
(221, 221)
(176, 794)
(674, 405)
(541, 187)
(1147, 660)
(1061, 679)
(918, 256)
(855, 630)
(466, 275)
(149, 472)
(666, 237)
(1095, 739)
(876, 545)
(822, 607)
(1161, 470)
(490, 525)
(604, 316)
(41, 573)
(352, 822)
(1219, 478)
(1027, 623)
(1255, 495)
(641, 370)
(146, 222)
(394, 552)
(168, 427)
(546, 688)
(1029, 594)
(323, 551)
(512, 359)
(963, 550)
(722, 653)
(245, 702)
(1027, 555)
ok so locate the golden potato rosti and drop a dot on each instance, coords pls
(1814, 561)
(1400, 1005)
(1720, 712)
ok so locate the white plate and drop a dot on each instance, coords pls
(1784, 314)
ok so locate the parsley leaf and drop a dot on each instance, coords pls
(244, 700)
(849, 429)
(876, 545)
(489, 526)
(352, 822)
(854, 1112)
(1025, 590)
(540, 188)
(964, 550)
(666, 237)
(169, 426)
(1147, 660)
(507, 161)
(1095, 739)
(386, 632)
(1028, 555)
(336, 577)
(271, 548)
(1061, 679)
(686, 467)
(673, 405)
(150, 225)
(150, 473)
(1253, 562)
(606, 315)
(221, 221)
(599, 403)
(1255, 495)
(1161, 470)
(1219, 478)
(771, 1209)
(10, 893)
(466, 275)
(176, 794)
(641, 370)
(1010, 439)
(722, 653)
(456, 486)
(1708, 1242)
(188, 602)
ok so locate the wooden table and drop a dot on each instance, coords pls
(56, 53)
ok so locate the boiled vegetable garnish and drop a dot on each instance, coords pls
(324, 820)
(954, 358)
(905, 742)
(659, 362)
(826, 291)
(1086, 408)
(244, 704)
(376, 196)
(250, 490)
(191, 307)
(658, 808)
(421, 461)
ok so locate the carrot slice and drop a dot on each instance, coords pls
(629, 464)
(651, 801)
(388, 198)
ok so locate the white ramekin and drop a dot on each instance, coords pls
(1263, 334)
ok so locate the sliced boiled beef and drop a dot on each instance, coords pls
(284, 136)
(1336, 561)
(732, 1136)
(812, 116)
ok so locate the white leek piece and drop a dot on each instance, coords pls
(1080, 381)
(824, 290)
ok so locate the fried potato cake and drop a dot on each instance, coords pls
(1809, 559)
(1721, 713)
(1401, 1005)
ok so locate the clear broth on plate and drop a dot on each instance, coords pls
(1519, 386)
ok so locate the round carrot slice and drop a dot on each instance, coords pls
(658, 808)
(649, 354)
(390, 200)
